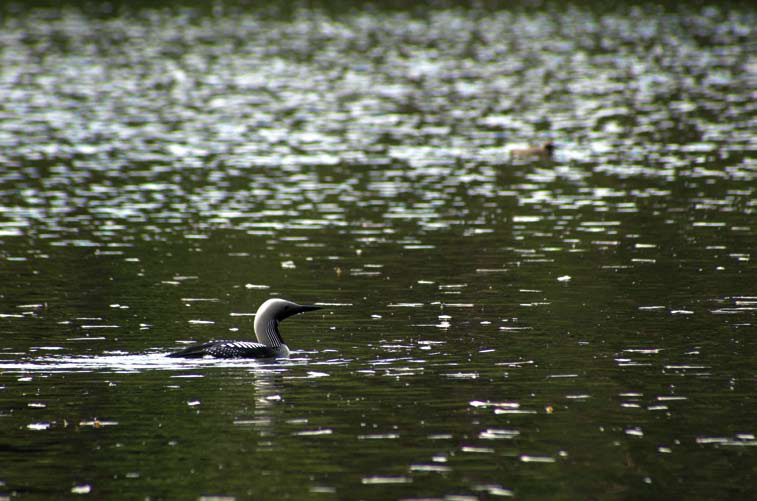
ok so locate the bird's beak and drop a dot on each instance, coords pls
(300, 308)
(309, 307)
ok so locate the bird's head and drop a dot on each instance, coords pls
(279, 309)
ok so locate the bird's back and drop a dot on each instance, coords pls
(231, 349)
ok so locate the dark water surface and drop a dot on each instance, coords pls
(581, 328)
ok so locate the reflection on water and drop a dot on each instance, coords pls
(573, 327)
(126, 363)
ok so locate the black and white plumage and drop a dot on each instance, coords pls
(270, 344)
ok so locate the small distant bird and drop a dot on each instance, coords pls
(270, 344)
(543, 152)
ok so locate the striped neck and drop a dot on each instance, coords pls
(268, 334)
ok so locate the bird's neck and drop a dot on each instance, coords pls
(268, 334)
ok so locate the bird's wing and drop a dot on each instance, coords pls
(240, 349)
(225, 349)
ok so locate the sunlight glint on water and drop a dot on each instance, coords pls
(566, 329)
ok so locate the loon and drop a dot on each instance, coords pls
(270, 343)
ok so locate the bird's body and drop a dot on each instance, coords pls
(231, 349)
(543, 152)
(269, 342)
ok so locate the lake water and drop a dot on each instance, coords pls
(575, 328)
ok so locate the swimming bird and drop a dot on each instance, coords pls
(270, 344)
(543, 152)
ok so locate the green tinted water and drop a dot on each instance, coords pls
(567, 329)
